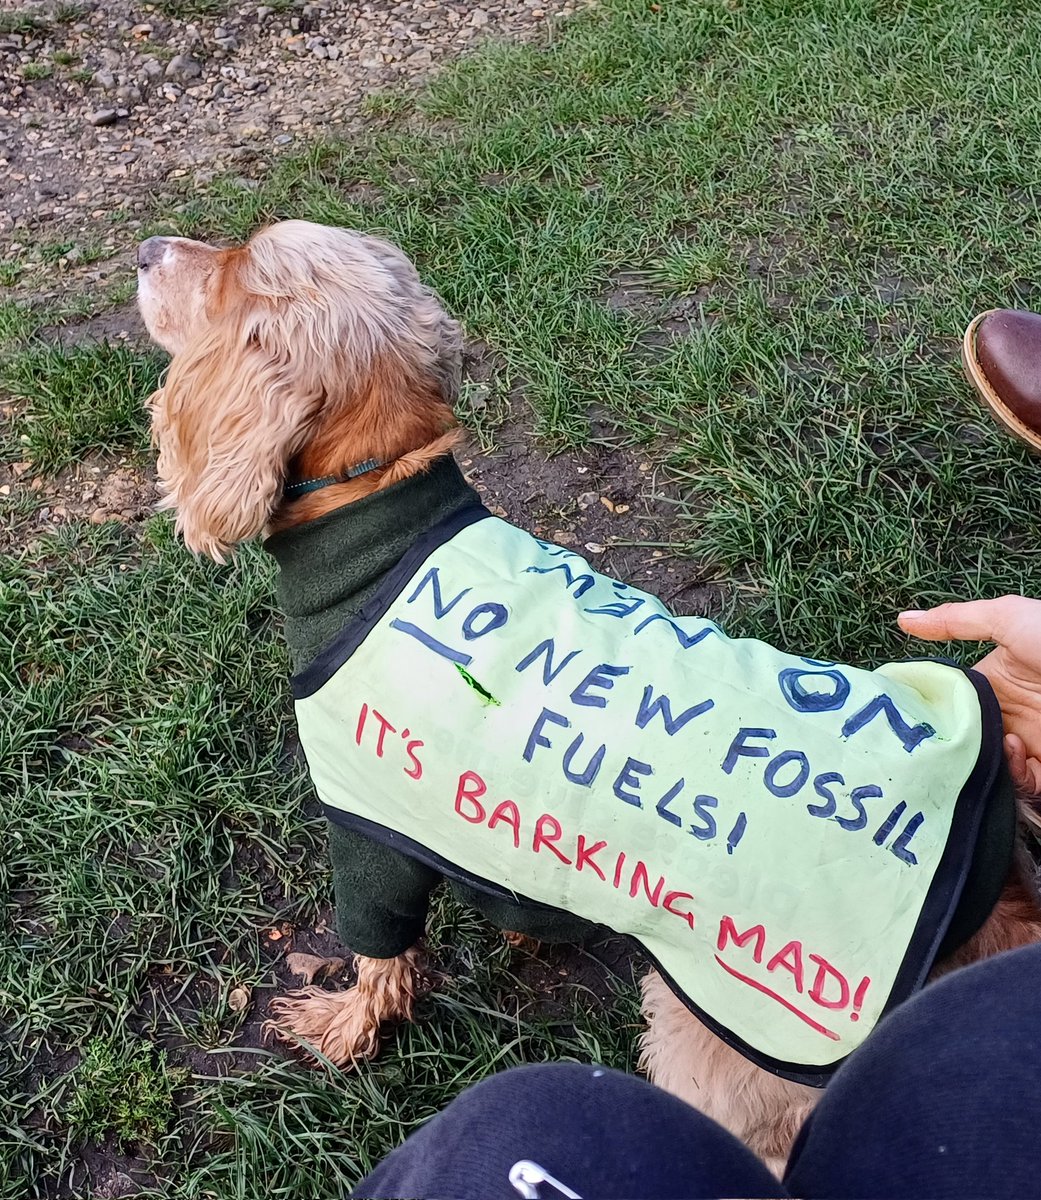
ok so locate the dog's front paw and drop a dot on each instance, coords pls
(344, 1027)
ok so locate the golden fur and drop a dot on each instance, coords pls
(292, 355)
(304, 352)
(345, 1026)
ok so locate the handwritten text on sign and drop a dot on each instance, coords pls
(565, 733)
(803, 975)
(447, 626)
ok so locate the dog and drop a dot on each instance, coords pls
(310, 400)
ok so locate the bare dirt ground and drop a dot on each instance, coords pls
(102, 104)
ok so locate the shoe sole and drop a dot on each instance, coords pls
(998, 408)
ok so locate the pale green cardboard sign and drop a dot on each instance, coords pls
(766, 826)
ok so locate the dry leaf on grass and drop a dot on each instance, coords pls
(238, 998)
(311, 968)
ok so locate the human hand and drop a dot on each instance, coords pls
(1013, 668)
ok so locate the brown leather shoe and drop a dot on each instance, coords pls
(1001, 352)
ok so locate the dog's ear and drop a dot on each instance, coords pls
(232, 412)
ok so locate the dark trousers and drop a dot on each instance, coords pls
(944, 1100)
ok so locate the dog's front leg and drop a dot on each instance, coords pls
(345, 1026)
(381, 907)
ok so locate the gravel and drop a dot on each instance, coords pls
(101, 108)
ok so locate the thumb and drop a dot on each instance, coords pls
(974, 621)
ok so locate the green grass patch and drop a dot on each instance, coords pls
(188, 10)
(22, 21)
(79, 398)
(67, 13)
(126, 1093)
(17, 322)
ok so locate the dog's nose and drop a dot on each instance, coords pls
(150, 252)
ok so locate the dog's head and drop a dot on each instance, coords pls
(303, 331)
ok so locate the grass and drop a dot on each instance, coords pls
(124, 1093)
(743, 237)
(186, 10)
(21, 21)
(27, 21)
(78, 399)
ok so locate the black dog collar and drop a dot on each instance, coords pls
(293, 491)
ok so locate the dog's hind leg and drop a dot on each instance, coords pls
(684, 1057)
(345, 1026)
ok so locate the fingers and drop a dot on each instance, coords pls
(1025, 772)
(973, 620)
(1016, 757)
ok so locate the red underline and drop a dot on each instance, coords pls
(780, 999)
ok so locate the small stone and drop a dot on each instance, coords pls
(99, 516)
(479, 18)
(104, 79)
(182, 67)
(103, 116)
(588, 499)
(263, 12)
(151, 67)
(141, 31)
(595, 547)
(251, 128)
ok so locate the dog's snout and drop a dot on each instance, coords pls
(150, 252)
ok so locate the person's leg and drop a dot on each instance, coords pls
(581, 1130)
(943, 1100)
